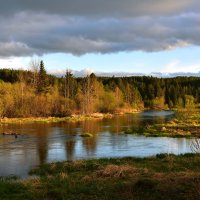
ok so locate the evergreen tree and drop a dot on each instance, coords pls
(42, 79)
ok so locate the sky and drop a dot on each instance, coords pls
(135, 36)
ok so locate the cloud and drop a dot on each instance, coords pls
(165, 73)
(14, 48)
(76, 73)
(110, 8)
(13, 63)
(97, 26)
(176, 66)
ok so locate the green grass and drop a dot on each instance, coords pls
(185, 124)
(161, 177)
(86, 135)
(10, 189)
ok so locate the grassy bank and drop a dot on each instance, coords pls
(73, 118)
(185, 124)
(160, 177)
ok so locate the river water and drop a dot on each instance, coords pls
(44, 143)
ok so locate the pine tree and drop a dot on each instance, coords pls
(43, 79)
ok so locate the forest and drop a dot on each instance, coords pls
(34, 93)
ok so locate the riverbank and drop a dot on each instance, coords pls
(72, 118)
(160, 177)
(185, 124)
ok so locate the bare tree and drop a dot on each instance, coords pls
(68, 83)
(69, 87)
(195, 145)
(91, 90)
(87, 94)
(34, 67)
(22, 85)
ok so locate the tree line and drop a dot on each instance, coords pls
(26, 93)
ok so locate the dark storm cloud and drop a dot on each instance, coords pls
(100, 7)
(96, 26)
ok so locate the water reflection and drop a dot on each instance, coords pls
(70, 149)
(41, 136)
(41, 143)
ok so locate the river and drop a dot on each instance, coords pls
(43, 143)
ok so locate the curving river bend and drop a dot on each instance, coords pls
(41, 143)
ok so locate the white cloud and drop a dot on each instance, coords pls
(13, 63)
(176, 66)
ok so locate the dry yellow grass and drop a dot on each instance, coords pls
(63, 175)
(34, 181)
(115, 171)
(78, 164)
(52, 166)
